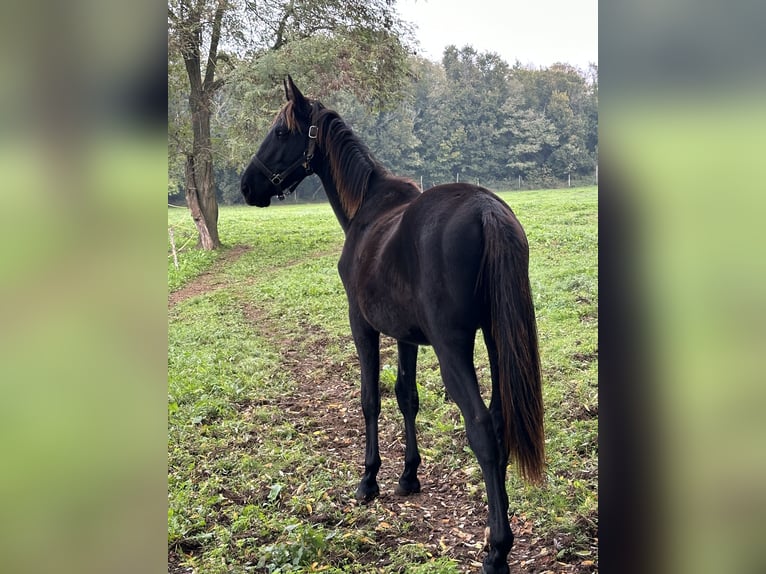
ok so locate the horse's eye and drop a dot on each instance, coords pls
(282, 132)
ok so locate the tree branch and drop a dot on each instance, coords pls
(280, 39)
(212, 57)
(217, 84)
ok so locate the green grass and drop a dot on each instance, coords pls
(252, 488)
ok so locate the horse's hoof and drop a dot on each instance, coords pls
(406, 489)
(365, 495)
(501, 568)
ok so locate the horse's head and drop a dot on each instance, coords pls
(284, 158)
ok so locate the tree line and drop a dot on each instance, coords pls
(469, 117)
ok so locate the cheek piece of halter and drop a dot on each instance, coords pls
(278, 179)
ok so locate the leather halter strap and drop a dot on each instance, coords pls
(277, 179)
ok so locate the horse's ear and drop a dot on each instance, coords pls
(294, 95)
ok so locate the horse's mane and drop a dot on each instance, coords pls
(351, 162)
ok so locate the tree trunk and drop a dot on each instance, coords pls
(200, 185)
(206, 240)
(199, 166)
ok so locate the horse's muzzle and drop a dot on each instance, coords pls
(252, 198)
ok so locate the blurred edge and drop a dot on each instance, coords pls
(83, 295)
(683, 277)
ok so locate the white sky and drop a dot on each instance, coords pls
(537, 32)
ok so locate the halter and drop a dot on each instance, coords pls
(277, 179)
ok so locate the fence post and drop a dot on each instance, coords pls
(173, 246)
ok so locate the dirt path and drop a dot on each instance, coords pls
(210, 280)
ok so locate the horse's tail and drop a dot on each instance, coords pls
(504, 281)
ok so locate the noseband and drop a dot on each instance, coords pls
(277, 179)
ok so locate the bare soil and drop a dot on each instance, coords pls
(210, 280)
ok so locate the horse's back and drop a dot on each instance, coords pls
(444, 228)
(418, 269)
(447, 220)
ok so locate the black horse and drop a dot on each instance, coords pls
(426, 268)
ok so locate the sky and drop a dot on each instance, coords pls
(540, 32)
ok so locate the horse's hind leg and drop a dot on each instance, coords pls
(407, 397)
(495, 406)
(459, 375)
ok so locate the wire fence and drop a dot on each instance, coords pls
(310, 190)
(185, 233)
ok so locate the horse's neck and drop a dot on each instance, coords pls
(346, 171)
(353, 180)
(331, 190)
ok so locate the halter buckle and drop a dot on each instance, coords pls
(313, 132)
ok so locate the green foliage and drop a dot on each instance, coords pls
(300, 545)
(354, 53)
(531, 136)
(434, 566)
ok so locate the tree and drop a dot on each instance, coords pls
(192, 24)
(457, 115)
(360, 69)
(530, 137)
(566, 100)
(179, 125)
(388, 132)
(429, 126)
(256, 35)
(570, 154)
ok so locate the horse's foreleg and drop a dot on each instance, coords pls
(407, 397)
(367, 342)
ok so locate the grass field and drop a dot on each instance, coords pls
(265, 431)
